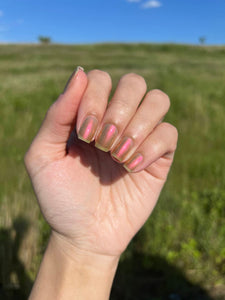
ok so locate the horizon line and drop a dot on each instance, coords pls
(111, 43)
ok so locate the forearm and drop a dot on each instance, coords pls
(68, 274)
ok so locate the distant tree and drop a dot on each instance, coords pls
(44, 39)
(202, 40)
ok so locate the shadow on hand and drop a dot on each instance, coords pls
(10, 263)
(100, 163)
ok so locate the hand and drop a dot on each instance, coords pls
(88, 198)
(96, 201)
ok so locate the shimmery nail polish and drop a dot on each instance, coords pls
(107, 137)
(122, 148)
(133, 162)
(88, 129)
(73, 75)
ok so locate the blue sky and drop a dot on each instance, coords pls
(91, 21)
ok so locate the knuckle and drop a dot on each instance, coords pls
(136, 79)
(161, 96)
(155, 147)
(172, 132)
(32, 159)
(169, 127)
(121, 107)
(101, 75)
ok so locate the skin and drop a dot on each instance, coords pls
(93, 205)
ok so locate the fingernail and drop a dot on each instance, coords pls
(122, 148)
(107, 137)
(133, 162)
(72, 76)
(88, 129)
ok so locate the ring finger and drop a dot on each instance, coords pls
(151, 111)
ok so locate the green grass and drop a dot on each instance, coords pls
(187, 229)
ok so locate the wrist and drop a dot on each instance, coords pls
(70, 273)
(82, 258)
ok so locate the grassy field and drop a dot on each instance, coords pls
(180, 252)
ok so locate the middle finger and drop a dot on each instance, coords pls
(129, 93)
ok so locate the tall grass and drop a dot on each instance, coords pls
(187, 228)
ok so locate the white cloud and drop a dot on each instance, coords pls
(151, 4)
(1, 13)
(134, 1)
